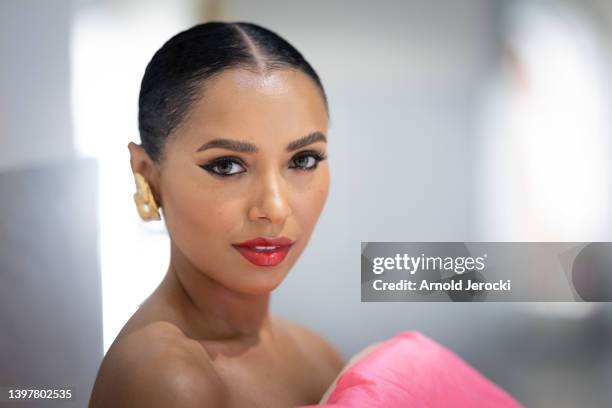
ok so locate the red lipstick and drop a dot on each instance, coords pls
(265, 251)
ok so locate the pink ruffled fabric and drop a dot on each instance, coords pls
(412, 370)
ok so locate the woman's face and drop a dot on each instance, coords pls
(214, 197)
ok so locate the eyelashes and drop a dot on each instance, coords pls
(229, 166)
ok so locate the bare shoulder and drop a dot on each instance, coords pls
(157, 366)
(314, 344)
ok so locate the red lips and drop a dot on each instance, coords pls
(265, 251)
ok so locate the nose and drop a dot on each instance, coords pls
(271, 201)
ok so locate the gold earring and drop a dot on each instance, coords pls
(145, 202)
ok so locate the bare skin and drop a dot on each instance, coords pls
(205, 336)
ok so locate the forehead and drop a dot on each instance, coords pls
(281, 104)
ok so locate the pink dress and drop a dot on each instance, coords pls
(412, 370)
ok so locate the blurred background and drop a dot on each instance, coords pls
(478, 120)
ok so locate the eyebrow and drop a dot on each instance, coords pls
(247, 147)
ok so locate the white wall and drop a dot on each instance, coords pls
(35, 124)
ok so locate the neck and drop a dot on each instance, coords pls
(211, 311)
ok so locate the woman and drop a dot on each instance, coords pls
(233, 123)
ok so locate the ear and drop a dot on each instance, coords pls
(141, 162)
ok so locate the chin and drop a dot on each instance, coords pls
(264, 283)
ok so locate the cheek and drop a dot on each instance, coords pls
(310, 202)
(198, 217)
(212, 220)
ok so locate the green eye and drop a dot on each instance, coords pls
(307, 160)
(224, 167)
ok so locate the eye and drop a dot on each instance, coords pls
(308, 160)
(225, 167)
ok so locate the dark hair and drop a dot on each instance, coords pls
(173, 79)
